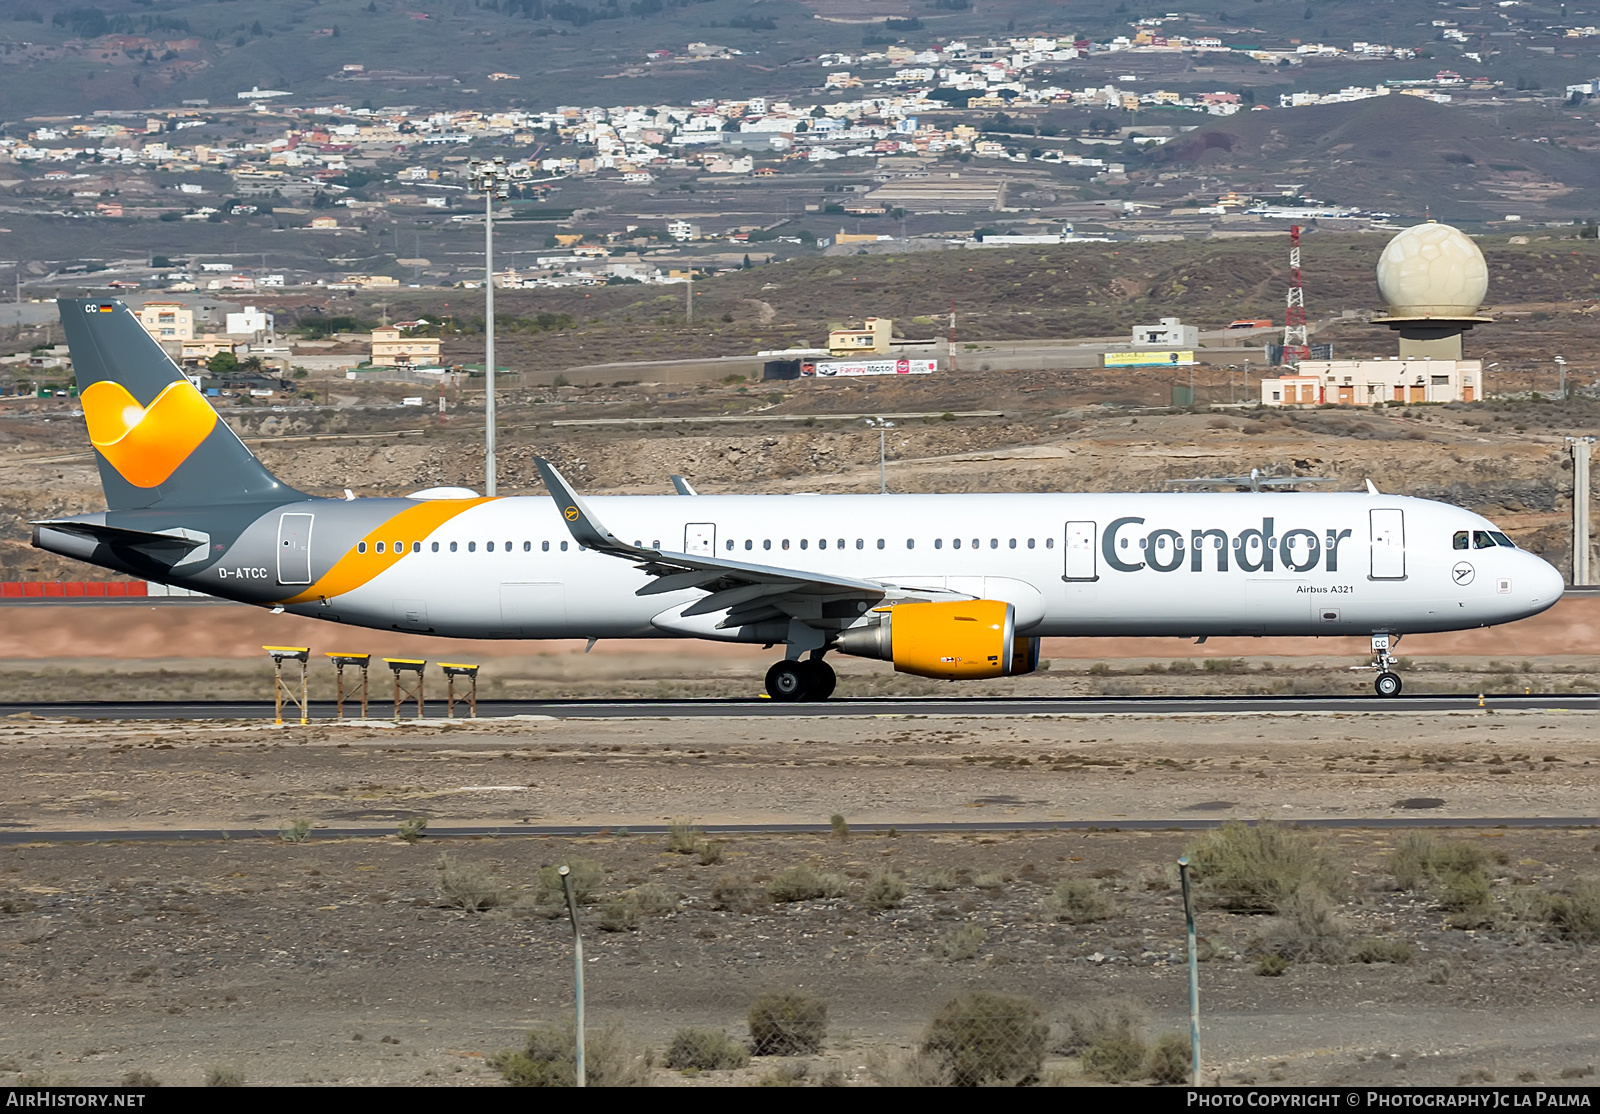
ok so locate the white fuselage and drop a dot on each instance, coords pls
(1072, 564)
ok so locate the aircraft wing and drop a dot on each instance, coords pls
(748, 592)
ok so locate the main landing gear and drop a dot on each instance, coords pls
(1388, 681)
(790, 681)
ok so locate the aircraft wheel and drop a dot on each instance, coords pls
(823, 680)
(1387, 684)
(789, 681)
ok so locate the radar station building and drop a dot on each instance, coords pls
(1432, 279)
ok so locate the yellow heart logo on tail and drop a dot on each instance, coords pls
(145, 444)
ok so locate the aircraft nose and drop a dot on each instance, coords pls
(1545, 580)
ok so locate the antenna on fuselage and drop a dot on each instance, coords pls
(1255, 481)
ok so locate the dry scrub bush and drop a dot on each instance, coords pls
(1080, 901)
(1107, 1018)
(549, 1059)
(1254, 869)
(1425, 860)
(1116, 1059)
(708, 852)
(586, 875)
(885, 890)
(1382, 951)
(980, 1037)
(1308, 929)
(653, 899)
(841, 830)
(138, 1078)
(962, 942)
(802, 883)
(412, 827)
(295, 831)
(683, 837)
(1170, 1059)
(618, 914)
(1576, 914)
(738, 893)
(705, 1050)
(470, 886)
(937, 881)
(787, 1023)
(219, 1075)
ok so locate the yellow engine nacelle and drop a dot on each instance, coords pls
(966, 639)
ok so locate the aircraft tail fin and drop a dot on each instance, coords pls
(157, 440)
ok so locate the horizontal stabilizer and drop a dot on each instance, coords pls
(165, 546)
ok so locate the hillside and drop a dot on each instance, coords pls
(1405, 154)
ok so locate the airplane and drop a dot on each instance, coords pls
(945, 586)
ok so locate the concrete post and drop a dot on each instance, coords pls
(1580, 509)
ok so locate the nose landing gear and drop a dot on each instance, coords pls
(1388, 681)
(791, 681)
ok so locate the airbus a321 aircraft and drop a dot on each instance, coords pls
(947, 586)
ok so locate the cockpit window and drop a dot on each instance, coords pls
(1461, 540)
(1501, 539)
(1482, 540)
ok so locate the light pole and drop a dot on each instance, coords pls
(493, 180)
(883, 476)
(1561, 367)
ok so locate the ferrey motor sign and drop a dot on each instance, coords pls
(826, 368)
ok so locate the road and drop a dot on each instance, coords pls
(968, 706)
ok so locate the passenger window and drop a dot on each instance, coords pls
(563, 547)
(1013, 543)
(508, 547)
(911, 543)
(656, 544)
(1049, 543)
(767, 544)
(544, 547)
(880, 543)
(976, 543)
(1459, 540)
(488, 547)
(749, 543)
(436, 547)
(399, 547)
(527, 547)
(472, 547)
(1030, 543)
(994, 543)
(841, 543)
(729, 546)
(938, 543)
(1501, 539)
(361, 547)
(379, 547)
(786, 543)
(1482, 540)
(452, 547)
(803, 543)
(861, 543)
(955, 543)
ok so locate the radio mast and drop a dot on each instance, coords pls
(1295, 347)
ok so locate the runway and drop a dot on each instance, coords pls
(322, 711)
(505, 831)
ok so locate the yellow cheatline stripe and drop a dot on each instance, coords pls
(354, 569)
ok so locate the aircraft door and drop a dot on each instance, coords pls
(1388, 543)
(700, 539)
(1081, 555)
(294, 548)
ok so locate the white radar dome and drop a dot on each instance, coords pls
(1432, 270)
